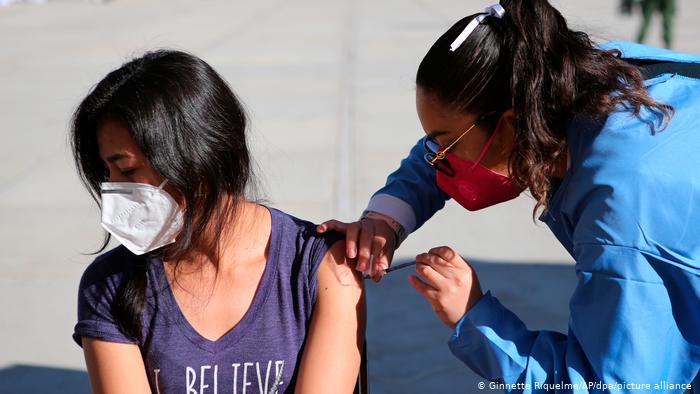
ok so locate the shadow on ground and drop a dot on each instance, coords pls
(30, 379)
(407, 344)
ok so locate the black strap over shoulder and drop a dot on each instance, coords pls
(654, 68)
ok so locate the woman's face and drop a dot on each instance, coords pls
(122, 156)
(125, 161)
(445, 126)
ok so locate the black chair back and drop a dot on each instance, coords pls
(362, 386)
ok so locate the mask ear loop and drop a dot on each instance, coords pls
(170, 196)
(175, 215)
(485, 148)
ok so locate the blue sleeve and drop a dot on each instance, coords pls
(626, 329)
(414, 194)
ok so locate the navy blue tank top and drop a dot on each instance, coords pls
(259, 355)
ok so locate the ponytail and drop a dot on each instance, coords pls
(531, 61)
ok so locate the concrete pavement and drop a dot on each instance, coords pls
(329, 87)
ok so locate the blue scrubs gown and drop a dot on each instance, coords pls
(628, 211)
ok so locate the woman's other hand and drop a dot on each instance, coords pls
(448, 282)
(369, 240)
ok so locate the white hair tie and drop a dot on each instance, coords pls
(496, 10)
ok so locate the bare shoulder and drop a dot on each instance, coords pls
(337, 270)
(333, 348)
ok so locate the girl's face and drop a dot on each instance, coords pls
(122, 157)
(445, 125)
(124, 160)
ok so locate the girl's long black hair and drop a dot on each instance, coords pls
(192, 129)
(531, 62)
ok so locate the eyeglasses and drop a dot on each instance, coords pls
(436, 157)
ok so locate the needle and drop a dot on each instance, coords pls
(399, 266)
(395, 267)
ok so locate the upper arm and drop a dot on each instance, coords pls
(334, 343)
(115, 368)
(414, 183)
(113, 359)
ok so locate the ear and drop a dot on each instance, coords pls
(507, 120)
(506, 131)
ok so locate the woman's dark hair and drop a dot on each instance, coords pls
(191, 128)
(532, 62)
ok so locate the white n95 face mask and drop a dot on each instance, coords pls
(142, 217)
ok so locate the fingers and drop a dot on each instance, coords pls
(445, 252)
(351, 238)
(378, 244)
(431, 276)
(383, 262)
(366, 236)
(436, 262)
(423, 288)
(365, 239)
(331, 225)
(385, 259)
(351, 230)
(451, 257)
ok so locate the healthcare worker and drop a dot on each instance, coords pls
(607, 141)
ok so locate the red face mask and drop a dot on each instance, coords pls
(475, 186)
